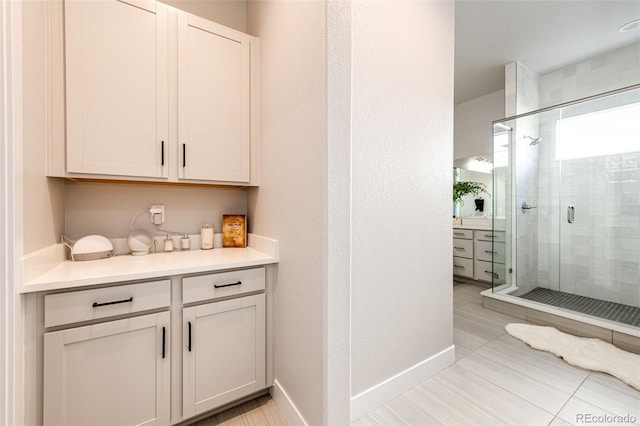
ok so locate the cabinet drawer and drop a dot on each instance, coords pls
(463, 267)
(212, 286)
(463, 248)
(483, 271)
(489, 251)
(498, 236)
(466, 234)
(77, 306)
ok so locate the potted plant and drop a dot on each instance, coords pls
(461, 189)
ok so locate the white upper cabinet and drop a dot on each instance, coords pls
(213, 101)
(116, 87)
(150, 93)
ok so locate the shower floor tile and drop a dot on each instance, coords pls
(611, 311)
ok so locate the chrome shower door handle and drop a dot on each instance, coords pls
(570, 214)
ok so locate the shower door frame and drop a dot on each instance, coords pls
(511, 207)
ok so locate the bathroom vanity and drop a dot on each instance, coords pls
(479, 252)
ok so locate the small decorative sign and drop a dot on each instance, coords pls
(234, 230)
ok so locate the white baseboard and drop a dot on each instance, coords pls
(383, 392)
(286, 405)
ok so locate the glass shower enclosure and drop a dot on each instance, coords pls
(567, 185)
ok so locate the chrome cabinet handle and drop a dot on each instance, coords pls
(459, 248)
(570, 214)
(489, 252)
(458, 266)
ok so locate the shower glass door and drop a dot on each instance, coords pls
(596, 146)
(570, 192)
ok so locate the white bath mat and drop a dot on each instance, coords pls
(584, 352)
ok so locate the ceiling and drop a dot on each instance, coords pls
(543, 35)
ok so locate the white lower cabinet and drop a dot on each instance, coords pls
(107, 350)
(224, 352)
(113, 373)
(479, 254)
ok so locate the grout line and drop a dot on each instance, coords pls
(555, 416)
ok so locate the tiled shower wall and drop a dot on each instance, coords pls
(599, 254)
(610, 71)
(521, 96)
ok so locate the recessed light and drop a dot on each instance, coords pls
(630, 26)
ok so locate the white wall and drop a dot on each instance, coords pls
(402, 138)
(43, 197)
(400, 157)
(472, 132)
(11, 319)
(291, 203)
(107, 208)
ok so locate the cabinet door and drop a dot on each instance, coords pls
(116, 87)
(115, 373)
(213, 101)
(224, 352)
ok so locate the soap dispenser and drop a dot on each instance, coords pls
(168, 243)
(185, 242)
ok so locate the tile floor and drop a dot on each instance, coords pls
(496, 380)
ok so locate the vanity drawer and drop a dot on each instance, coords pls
(466, 234)
(483, 271)
(223, 284)
(463, 267)
(490, 251)
(497, 236)
(85, 305)
(463, 248)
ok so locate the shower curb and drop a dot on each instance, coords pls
(627, 338)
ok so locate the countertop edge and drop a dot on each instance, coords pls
(41, 273)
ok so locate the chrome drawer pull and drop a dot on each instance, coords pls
(227, 285)
(490, 236)
(459, 233)
(571, 214)
(458, 266)
(459, 248)
(96, 304)
(493, 274)
(489, 251)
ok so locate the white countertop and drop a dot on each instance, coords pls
(481, 223)
(475, 227)
(68, 274)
